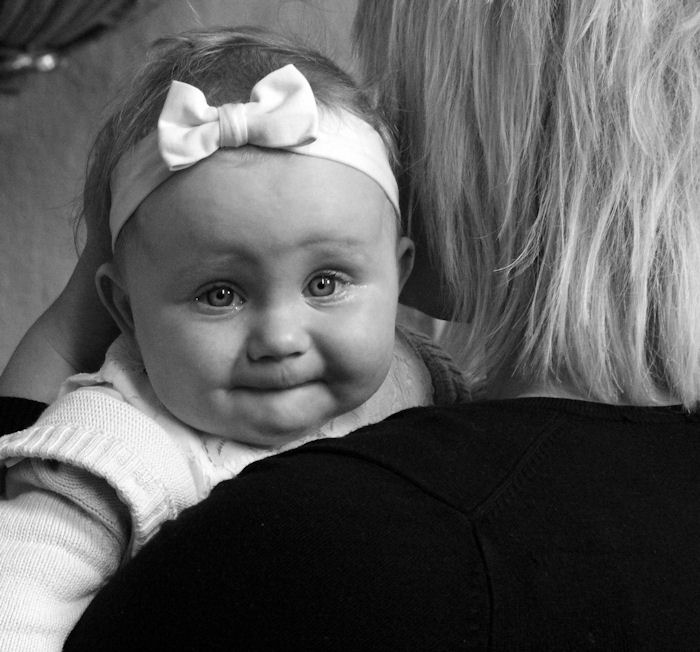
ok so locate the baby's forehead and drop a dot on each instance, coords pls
(265, 162)
(280, 188)
(266, 201)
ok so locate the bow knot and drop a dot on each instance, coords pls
(282, 112)
(233, 125)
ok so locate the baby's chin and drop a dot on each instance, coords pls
(279, 423)
(277, 438)
(336, 426)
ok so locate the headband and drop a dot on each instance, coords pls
(282, 114)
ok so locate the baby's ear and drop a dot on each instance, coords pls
(405, 253)
(112, 291)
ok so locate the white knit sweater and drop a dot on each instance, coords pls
(88, 485)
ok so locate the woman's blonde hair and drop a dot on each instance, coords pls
(551, 150)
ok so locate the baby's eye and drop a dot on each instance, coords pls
(221, 296)
(322, 285)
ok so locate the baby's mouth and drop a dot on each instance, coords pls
(273, 382)
(271, 387)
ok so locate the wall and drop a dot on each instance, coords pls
(47, 126)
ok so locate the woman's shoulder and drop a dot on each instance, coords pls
(463, 455)
(17, 413)
(456, 454)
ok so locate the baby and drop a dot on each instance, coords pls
(258, 258)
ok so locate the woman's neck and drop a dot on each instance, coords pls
(509, 386)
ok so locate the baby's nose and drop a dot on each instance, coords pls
(277, 334)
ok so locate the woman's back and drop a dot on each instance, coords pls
(540, 524)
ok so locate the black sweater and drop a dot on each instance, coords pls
(531, 524)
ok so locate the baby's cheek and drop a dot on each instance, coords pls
(366, 361)
(173, 382)
(176, 373)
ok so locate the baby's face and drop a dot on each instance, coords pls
(263, 293)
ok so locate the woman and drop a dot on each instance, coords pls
(550, 153)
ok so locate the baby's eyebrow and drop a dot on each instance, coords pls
(198, 266)
(192, 267)
(345, 249)
(339, 244)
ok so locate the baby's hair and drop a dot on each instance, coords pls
(224, 63)
(553, 150)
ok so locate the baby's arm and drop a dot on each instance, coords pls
(63, 532)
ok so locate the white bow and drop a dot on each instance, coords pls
(281, 113)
